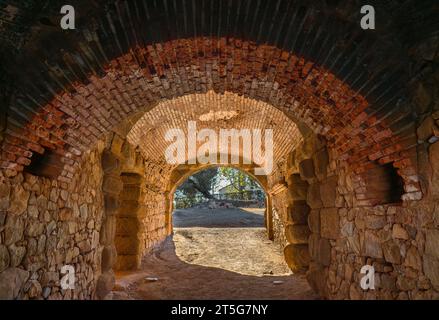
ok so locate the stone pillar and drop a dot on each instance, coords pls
(296, 230)
(128, 231)
(111, 188)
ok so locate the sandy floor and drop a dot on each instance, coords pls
(214, 254)
(219, 218)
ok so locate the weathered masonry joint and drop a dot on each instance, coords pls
(354, 113)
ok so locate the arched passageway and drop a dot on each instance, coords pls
(219, 248)
(354, 113)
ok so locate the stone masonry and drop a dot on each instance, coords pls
(356, 178)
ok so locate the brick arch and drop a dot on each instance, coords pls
(305, 91)
(349, 84)
(63, 91)
(182, 172)
(215, 112)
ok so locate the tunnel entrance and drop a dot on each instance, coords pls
(85, 177)
(219, 248)
(219, 221)
(236, 213)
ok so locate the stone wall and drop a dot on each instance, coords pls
(140, 222)
(288, 193)
(155, 199)
(398, 239)
(278, 223)
(135, 209)
(318, 220)
(44, 227)
(369, 196)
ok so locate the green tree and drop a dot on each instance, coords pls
(238, 179)
(201, 182)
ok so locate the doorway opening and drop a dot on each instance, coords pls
(219, 246)
(219, 221)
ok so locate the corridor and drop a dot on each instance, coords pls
(338, 124)
(221, 258)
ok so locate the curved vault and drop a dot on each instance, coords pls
(73, 120)
(317, 67)
(64, 91)
(211, 111)
(313, 63)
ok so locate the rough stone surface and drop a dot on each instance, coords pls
(383, 150)
(19, 198)
(431, 269)
(41, 227)
(316, 276)
(14, 229)
(324, 253)
(375, 222)
(4, 258)
(299, 211)
(105, 284)
(392, 252)
(413, 259)
(297, 257)
(17, 254)
(313, 198)
(329, 223)
(398, 232)
(297, 234)
(321, 161)
(328, 191)
(298, 187)
(372, 246)
(431, 243)
(306, 168)
(314, 221)
(355, 231)
(11, 282)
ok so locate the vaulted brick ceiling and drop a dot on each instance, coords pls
(211, 111)
(309, 59)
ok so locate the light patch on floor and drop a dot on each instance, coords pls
(242, 250)
(218, 254)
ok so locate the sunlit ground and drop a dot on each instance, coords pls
(214, 254)
(230, 239)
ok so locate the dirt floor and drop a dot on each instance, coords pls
(214, 254)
